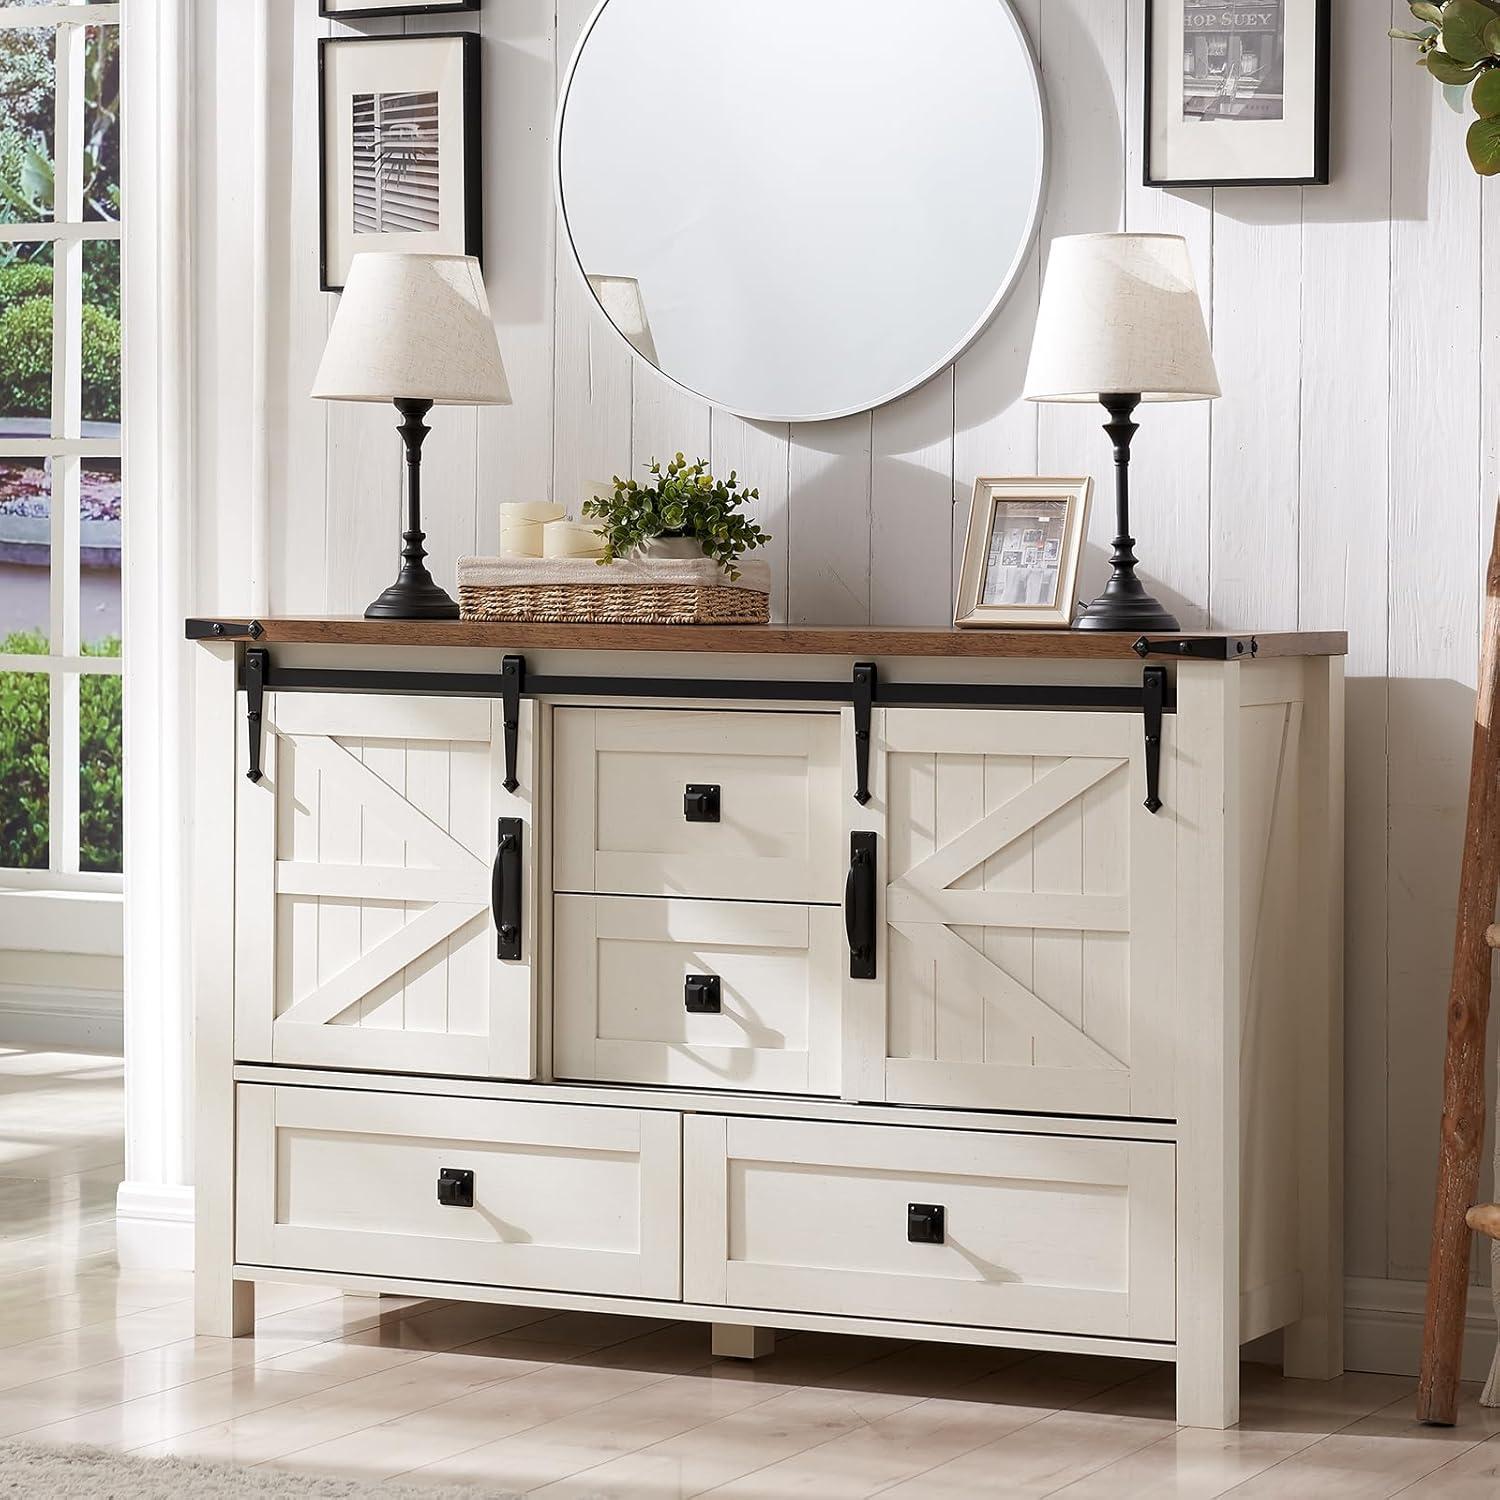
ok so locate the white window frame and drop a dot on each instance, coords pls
(67, 447)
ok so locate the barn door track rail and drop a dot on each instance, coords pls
(863, 691)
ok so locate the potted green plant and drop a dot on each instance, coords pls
(682, 511)
(1459, 44)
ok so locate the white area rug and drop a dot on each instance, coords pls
(91, 1474)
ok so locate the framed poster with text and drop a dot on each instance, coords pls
(1236, 93)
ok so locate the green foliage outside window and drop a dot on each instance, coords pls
(27, 186)
(25, 763)
(27, 193)
(26, 84)
(27, 176)
(23, 767)
(26, 341)
(100, 788)
(24, 279)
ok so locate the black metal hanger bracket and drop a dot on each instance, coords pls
(1199, 647)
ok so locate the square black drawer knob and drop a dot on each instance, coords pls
(924, 1223)
(455, 1188)
(702, 994)
(700, 804)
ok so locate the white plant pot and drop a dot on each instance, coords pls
(675, 548)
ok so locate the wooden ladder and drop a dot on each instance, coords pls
(1461, 1141)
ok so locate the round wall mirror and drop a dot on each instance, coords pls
(800, 209)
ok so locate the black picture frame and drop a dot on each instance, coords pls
(405, 8)
(1322, 112)
(473, 179)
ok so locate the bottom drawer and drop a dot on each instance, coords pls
(563, 1198)
(1036, 1232)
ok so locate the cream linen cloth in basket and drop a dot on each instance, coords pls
(545, 572)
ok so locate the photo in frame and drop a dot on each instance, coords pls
(1022, 552)
(364, 10)
(1236, 94)
(399, 141)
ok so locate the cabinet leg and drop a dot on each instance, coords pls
(739, 1341)
(226, 1312)
(1208, 1394)
(1313, 1349)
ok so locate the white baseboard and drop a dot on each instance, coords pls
(53, 1016)
(154, 1227)
(1383, 1327)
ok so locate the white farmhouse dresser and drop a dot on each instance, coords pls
(969, 986)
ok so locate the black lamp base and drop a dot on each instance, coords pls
(413, 596)
(1125, 605)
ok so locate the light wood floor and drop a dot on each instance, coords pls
(587, 1407)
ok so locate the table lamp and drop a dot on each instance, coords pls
(414, 330)
(1120, 323)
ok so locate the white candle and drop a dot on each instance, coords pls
(521, 538)
(536, 511)
(571, 539)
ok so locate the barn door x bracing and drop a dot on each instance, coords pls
(1029, 908)
(364, 935)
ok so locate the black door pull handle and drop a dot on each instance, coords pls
(505, 888)
(455, 1187)
(859, 906)
(926, 1223)
(700, 804)
(256, 665)
(702, 994)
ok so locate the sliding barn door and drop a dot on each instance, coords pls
(1028, 904)
(364, 936)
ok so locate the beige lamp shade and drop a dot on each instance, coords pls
(1120, 315)
(416, 327)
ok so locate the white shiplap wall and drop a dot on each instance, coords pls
(1346, 480)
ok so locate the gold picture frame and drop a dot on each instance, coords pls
(1023, 573)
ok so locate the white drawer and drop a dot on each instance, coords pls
(620, 825)
(1040, 1232)
(564, 1198)
(620, 993)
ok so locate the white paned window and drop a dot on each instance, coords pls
(60, 492)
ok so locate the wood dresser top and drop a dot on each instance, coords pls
(753, 640)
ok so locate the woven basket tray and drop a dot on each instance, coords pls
(649, 591)
(615, 604)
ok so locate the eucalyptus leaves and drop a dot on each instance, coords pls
(1459, 44)
(682, 499)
